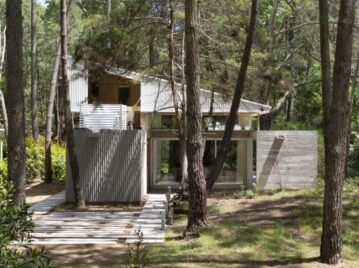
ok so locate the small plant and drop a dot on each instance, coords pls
(239, 194)
(250, 193)
(16, 225)
(137, 252)
(214, 212)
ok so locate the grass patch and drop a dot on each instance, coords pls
(237, 237)
(280, 228)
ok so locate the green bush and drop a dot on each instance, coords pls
(3, 172)
(34, 159)
(58, 162)
(16, 225)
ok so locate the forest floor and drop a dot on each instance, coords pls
(280, 229)
(37, 190)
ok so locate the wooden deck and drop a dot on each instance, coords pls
(97, 227)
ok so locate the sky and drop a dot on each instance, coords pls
(42, 2)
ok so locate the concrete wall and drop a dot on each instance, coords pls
(286, 159)
(112, 166)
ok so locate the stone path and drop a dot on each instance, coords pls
(97, 227)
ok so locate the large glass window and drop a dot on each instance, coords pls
(167, 162)
(167, 169)
(235, 165)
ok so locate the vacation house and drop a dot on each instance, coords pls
(127, 144)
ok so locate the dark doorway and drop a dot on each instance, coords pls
(124, 95)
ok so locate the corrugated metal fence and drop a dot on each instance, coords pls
(112, 166)
(286, 159)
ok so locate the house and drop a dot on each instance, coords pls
(127, 144)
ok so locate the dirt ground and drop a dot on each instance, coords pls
(255, 212)
(38, 190)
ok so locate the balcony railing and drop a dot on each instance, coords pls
(104, 116)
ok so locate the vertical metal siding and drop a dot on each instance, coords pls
(111, 166)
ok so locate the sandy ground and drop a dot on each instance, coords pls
(38, 190)
(253, 211)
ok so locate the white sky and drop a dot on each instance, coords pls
(42, 2)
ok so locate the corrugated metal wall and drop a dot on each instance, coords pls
(286, 159)
(112, 166)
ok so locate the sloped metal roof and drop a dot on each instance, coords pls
(156, 96)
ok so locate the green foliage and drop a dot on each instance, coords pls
(251, 193)
(58, 161)
(34, 159)
(3, 172)
(16, 225)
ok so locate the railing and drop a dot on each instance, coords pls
(104, 116)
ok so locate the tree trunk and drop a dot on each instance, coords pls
(15, 99)
(70, 135)
(232, 118)
(268, 85)
(34, 120)
(4, 113)
(50, 110)
(180, 116)
(183, 138)
(266, 119)
(197, 214)
(336, 111)
(109, 7)
(50, 106)
(2, 59)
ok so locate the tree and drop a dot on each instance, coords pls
(232, 117)
(34, 120)
(50, 104)
(336, 111)
(70, 135)
(2, 62)
(196, 180)
(15, 99)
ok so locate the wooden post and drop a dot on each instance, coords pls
(168, 195)
(163, 219)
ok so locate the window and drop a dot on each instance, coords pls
(167, 168)
(235, 166)
(95, 91)
(124, 95)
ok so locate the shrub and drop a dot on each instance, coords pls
(3, 172)
(58, 162)
(16, 225)
(34, 159)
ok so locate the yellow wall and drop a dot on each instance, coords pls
(109, 93)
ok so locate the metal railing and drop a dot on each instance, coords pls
(104, 116)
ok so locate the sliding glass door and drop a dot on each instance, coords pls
(166, 168)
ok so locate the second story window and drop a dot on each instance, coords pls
(124, 95)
